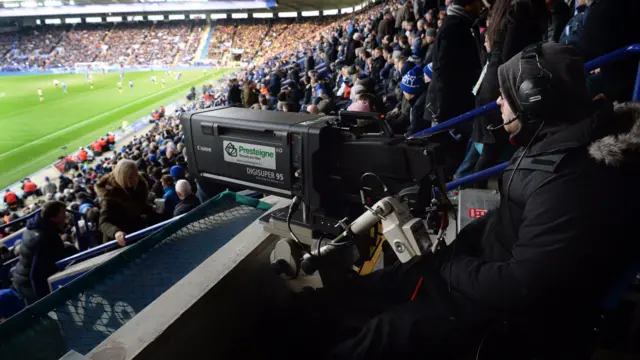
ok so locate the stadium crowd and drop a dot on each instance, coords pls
(221, 41)
(415, 62)
(248, 39)
(112, 191)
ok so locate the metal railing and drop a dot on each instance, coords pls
(620, 54)
(83, 243)
(113, 244)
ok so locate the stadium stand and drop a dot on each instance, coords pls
(249, 38)
(193, 41)
(369, 74)
(221, 42)
(82, 43)
(161, 43)
(33, 47)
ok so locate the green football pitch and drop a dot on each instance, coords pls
(33, 133)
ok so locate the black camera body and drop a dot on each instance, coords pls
(322, 159)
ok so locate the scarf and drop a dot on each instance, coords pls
(458, 10)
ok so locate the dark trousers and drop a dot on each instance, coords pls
(372, 317)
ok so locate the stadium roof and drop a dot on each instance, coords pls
(25, 8)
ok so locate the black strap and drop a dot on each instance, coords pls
(546, 163)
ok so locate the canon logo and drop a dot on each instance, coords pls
(203, 148)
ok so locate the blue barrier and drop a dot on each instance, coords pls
(113, 244)
(83, 240)
(607, 59)
(617, 55)
(19, 220)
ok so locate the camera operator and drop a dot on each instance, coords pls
(528, 278)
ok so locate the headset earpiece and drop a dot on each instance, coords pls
(535, 94)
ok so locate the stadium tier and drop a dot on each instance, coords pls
(114, 133)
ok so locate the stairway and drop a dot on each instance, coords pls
(203, 48)
(106, 37)
(180, 52)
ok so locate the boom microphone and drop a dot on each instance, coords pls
(494, 128)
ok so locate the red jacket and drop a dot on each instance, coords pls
(29, 187)
(97, 146)
(82, 155)
(10, 198)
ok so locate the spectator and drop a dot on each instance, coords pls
(430, 38)
(353, 44)
(249, 93)
(275, 83)
(309, 62)
(41, 247)
(170, 197)
(188, 200)
(377, 64)
(512, 26)
(64, 182)
(456, 68)
(29, 188)
(560, 15)
(405, 13)
(573, 31)
(234, 95)
(611, 25)
(456, 62)
(177, 172)
(83, 155)
(413, 88)
(11, 199)
(84, 203)
(124, 206)
(49, 186)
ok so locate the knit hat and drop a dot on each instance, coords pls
(569, 95)
(413, 81)
(431, 32)
(428, 70)
(417, 45)
(177, 172)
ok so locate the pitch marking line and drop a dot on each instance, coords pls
(67, 129)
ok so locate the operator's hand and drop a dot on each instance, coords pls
(120, 238)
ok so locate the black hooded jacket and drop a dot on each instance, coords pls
(456, 68)
(563, 232)
(40, 249)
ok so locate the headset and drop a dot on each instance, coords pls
(535, 95)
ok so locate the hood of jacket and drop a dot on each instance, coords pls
(623, 143)
(611, 135)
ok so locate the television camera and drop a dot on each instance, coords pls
(345, 174)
